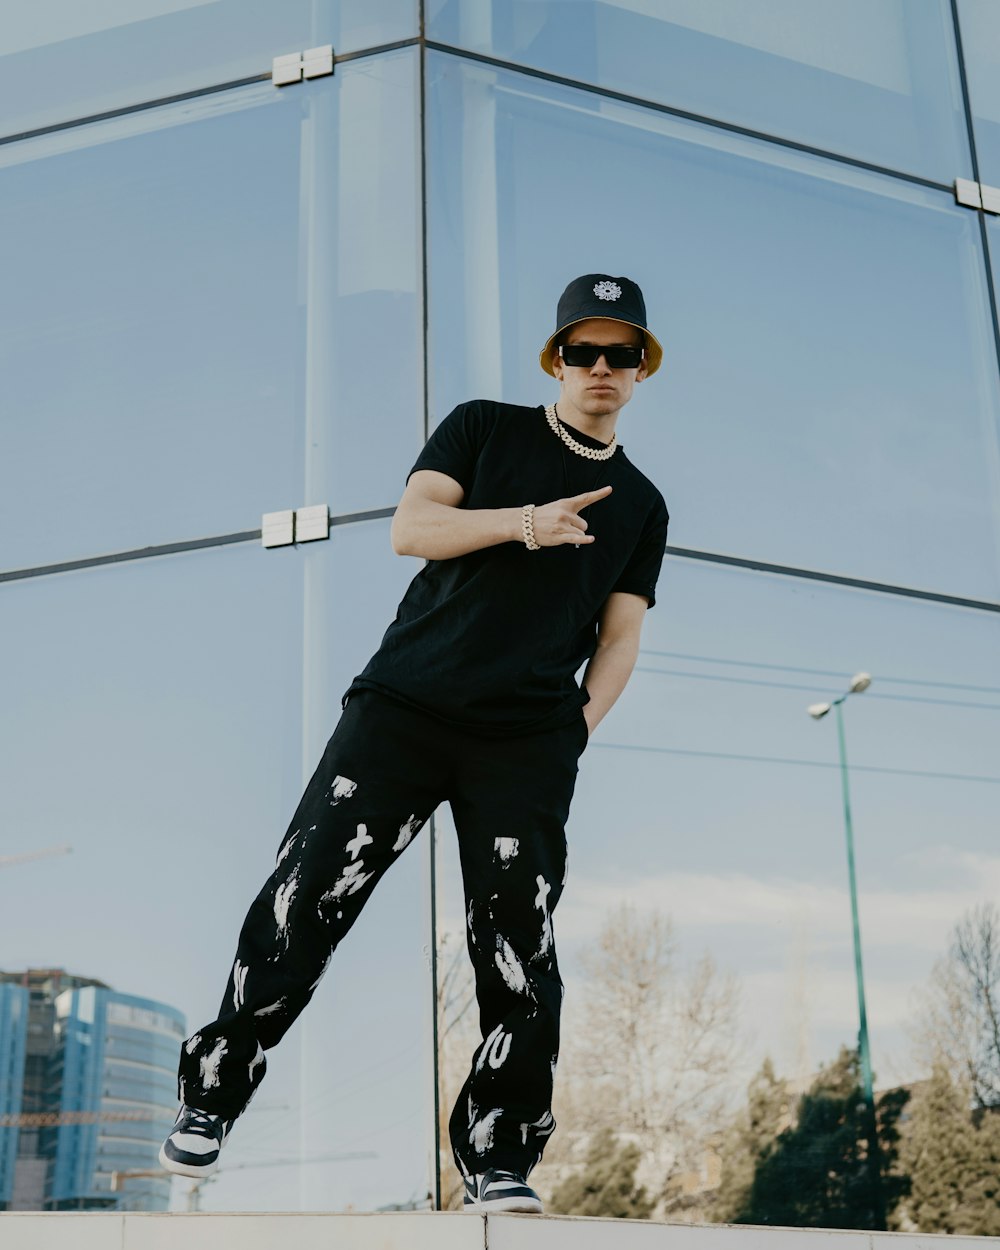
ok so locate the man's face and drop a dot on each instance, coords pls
(599, 389)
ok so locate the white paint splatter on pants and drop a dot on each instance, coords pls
(510, 967)
(482, 1133)
(542, 902)
(283, 853)
(350, 881)
(269, 1011)
(506, 848)
(406, 832)
(544, 1127)
(210, 1064)
(239, 983)
(257, 1060)
(342, 788)
(283, 896)
(495, 1049)
(359, 841)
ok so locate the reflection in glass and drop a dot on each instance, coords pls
(876, 81)
(828, 397)
(157, 722)
(979, 21)
(709, 793)
(204, 292)
(368, 1053)
(65, 60)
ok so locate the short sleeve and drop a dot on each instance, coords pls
(643, 569)
(456, 443)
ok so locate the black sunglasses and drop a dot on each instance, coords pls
(618, 356)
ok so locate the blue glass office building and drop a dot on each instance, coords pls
(230, 299)
(13, 1039)
(90, 1074)
(116, 1053)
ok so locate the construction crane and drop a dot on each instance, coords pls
(194, 1193)
(8, 861)
(52, 1119)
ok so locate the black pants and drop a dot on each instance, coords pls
(384, 771)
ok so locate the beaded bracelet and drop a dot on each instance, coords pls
(527, 527)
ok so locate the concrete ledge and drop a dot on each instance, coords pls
(428, 1230)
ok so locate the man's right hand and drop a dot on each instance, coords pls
(560, 522)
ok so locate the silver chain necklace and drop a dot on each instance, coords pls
(590, 452)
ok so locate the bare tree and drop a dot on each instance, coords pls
(458, 1037)
(959, 1023)
(649, 1051)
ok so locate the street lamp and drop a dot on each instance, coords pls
(860, 682)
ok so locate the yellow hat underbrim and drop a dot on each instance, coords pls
(654, 352)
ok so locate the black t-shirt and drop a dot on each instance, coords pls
(490, 641)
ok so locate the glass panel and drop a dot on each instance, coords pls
(201, 293)
(709, 794)
(829, 393)
(369, 1052)
(163, 720)
(876, 81)
(993, 240)
(979, 21)
(65, 60)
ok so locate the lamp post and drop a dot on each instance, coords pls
(860, 682)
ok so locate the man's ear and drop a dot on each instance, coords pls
(555, 360)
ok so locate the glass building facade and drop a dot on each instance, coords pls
(230, 299)
(115, 1054)
(87, 1094)
(13, 1045)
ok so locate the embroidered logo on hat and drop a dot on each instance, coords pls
(607, 290)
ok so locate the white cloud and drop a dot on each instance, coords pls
(914, 919)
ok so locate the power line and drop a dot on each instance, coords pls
(329, 1097)
(786, 685)
(777, 759)
(843, 675)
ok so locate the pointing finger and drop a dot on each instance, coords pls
(589, 496)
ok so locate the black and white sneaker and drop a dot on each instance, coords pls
(193, 1145)
(497, 1189)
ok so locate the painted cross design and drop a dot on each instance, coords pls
(359, 841)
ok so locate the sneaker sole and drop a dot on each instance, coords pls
(528, 1205)
(186, 1169)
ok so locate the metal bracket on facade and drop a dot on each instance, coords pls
(977, 195)
(313, 63)
(303, 525)
(312, 523)
(991, 198)
(277, 529)
(967, 193)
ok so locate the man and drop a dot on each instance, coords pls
(471, 697)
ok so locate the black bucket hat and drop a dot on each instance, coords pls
(600, 295)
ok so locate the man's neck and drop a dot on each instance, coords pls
(602, 428)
